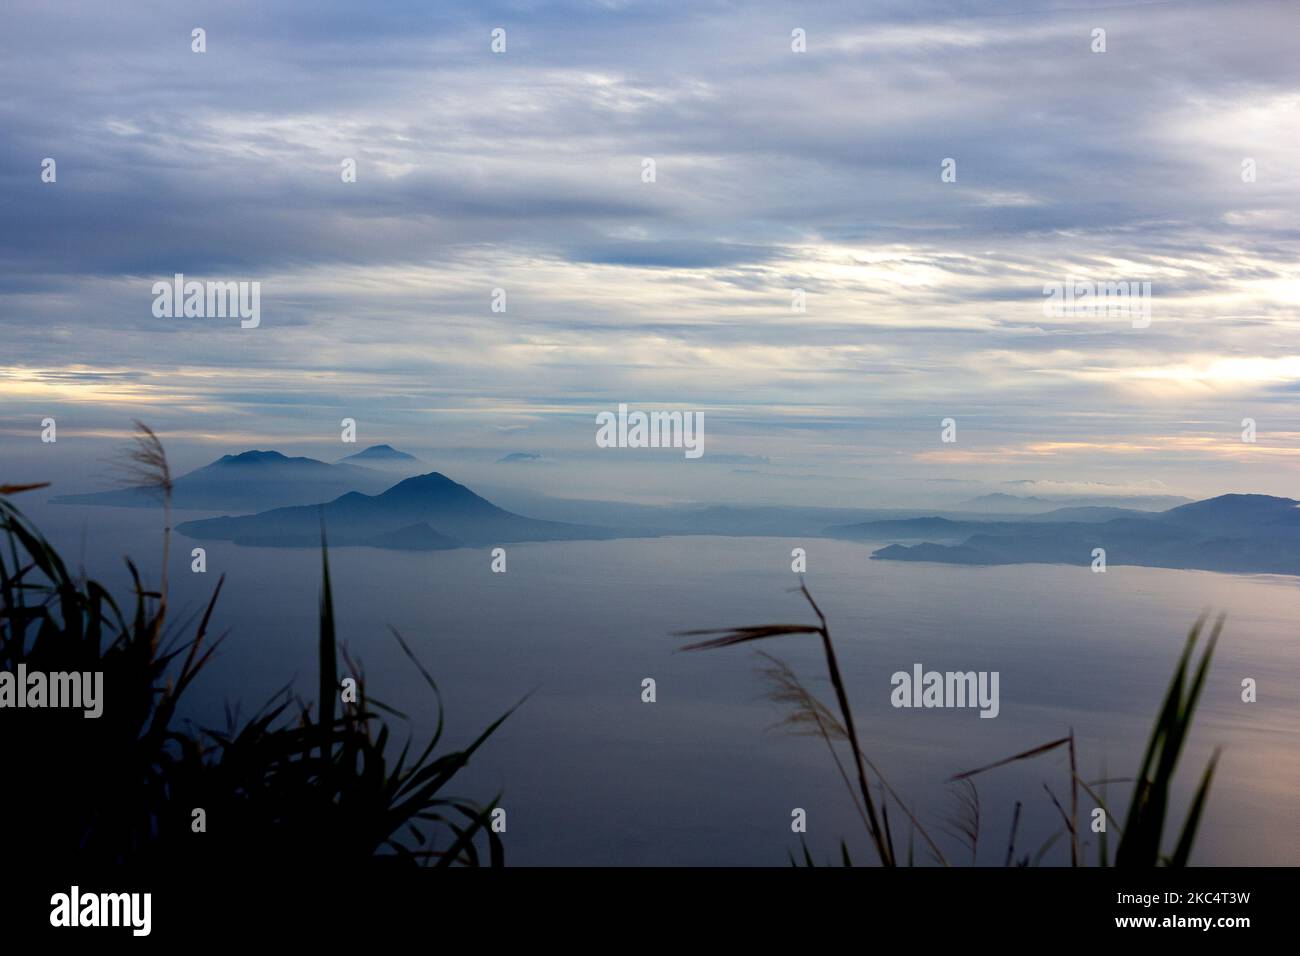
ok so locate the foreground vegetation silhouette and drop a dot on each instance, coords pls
(1144, 826)
(287, 784)
(318, 788)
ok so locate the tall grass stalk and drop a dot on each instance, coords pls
(1141, 836)
(122, 788)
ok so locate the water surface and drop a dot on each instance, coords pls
(592, 775)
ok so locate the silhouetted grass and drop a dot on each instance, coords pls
(285, 785)
(1141, 836)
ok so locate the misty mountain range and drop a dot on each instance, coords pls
(424, 513)
(381, 456)
(1003, 503)
(362, 506)
(1235, 533)
(248, 481)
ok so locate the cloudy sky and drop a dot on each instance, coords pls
(774, 170)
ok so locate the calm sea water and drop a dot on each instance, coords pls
(592, 775)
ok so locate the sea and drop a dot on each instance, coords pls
(592, 773)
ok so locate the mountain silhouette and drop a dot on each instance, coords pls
(380, 455)
(1229, 514)
(1002, 503)
(425, 512)
(250, 481)
(1257, 534)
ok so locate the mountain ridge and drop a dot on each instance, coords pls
(1236, 533)
(453, 515)
(254, 479)
(380, 455)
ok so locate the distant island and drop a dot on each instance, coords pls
(281, 501)
(425, 513)
(1257, 534)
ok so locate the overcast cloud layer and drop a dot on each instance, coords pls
(775, 170)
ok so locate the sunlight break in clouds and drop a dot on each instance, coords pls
(776, 172)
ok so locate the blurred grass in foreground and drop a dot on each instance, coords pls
(286, 785)
(1144, 825)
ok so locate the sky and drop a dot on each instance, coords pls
(774, 170)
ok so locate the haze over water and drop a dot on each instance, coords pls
(839, 237)
(591, 775)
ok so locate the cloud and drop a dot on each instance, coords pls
(775, 171)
